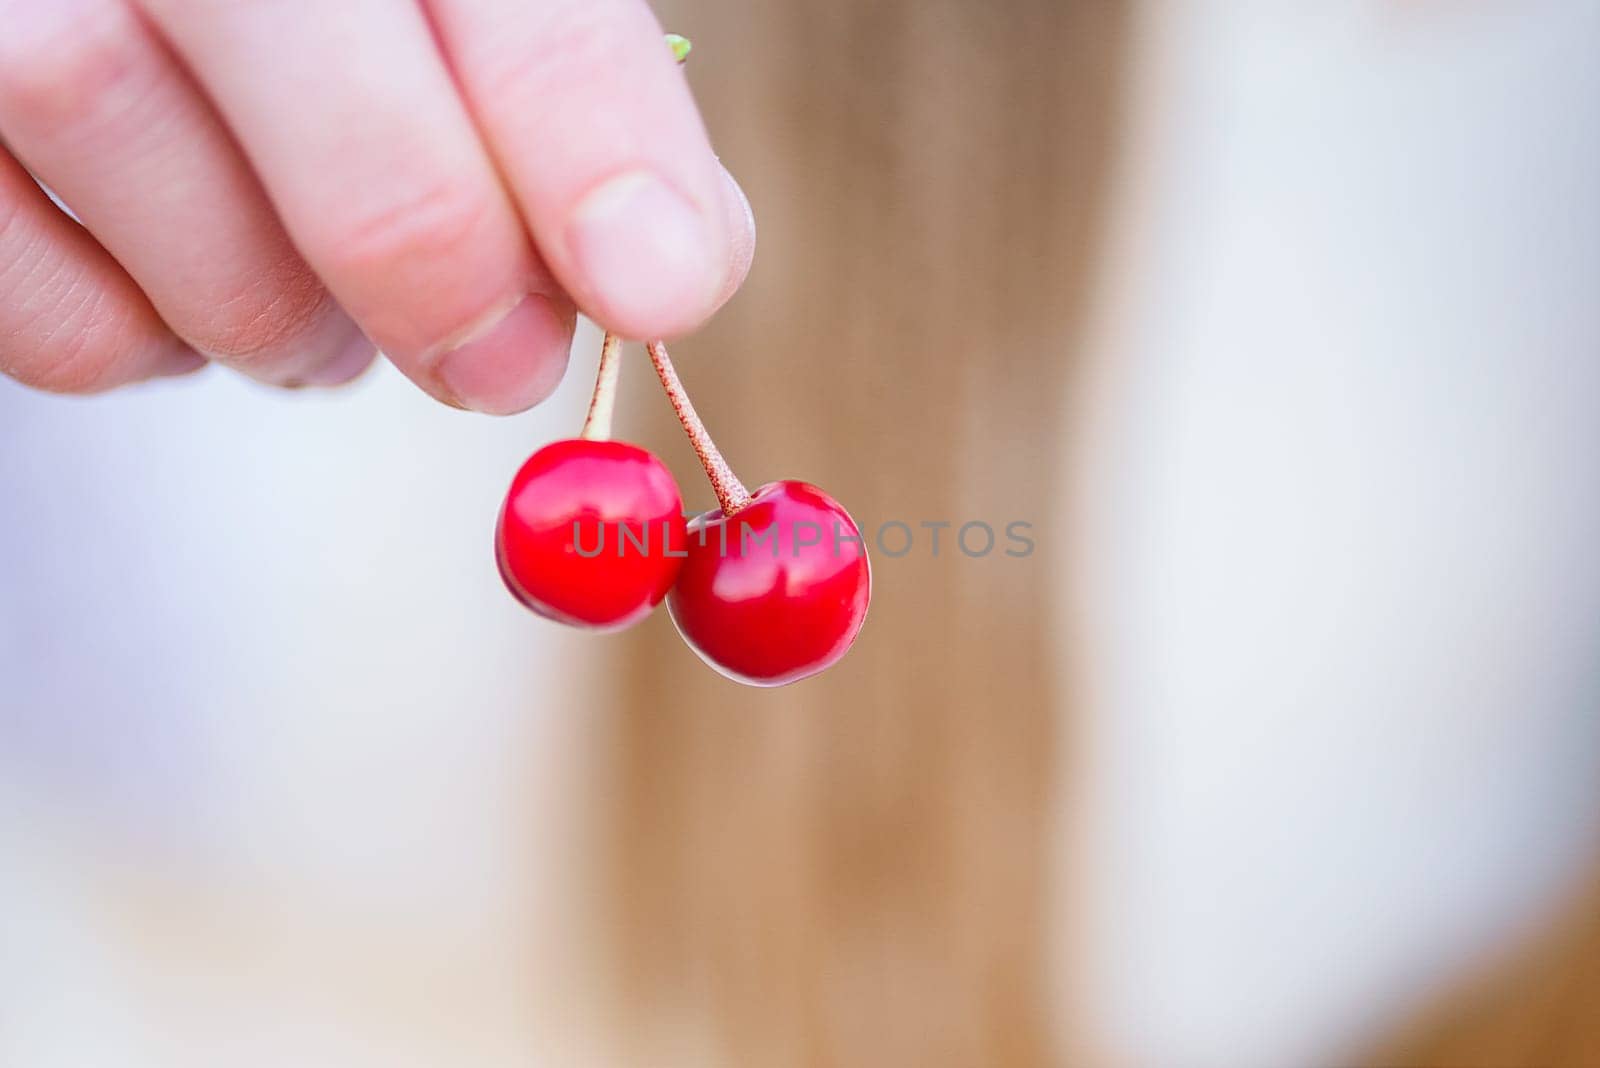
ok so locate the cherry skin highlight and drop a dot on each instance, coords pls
(777, 592)
(592, 533)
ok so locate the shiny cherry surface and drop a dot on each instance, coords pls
(777, 592)
(592, 533)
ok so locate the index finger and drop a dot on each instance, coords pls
(594, 129)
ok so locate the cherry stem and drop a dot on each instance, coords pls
(597, 425)
(730, 492)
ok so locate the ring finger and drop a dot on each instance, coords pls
(94, 104)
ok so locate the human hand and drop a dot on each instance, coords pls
(283, 186)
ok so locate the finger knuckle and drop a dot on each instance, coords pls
(264, 317)
(569, 45)
(65, 333)
(80, 356)
(438, 220)
(91, 69)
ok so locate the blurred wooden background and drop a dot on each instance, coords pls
(856, 871)
(853, 871)
(1537, 1008)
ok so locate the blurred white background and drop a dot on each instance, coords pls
(279, 759)
(1341, 587)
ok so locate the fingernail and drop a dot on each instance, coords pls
(345, 366)
(648, 256)
(513, 364)
(741, 224)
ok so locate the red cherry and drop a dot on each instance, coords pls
(778, 591)
(592, 533)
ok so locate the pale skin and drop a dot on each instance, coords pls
(285, 187)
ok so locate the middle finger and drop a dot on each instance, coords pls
(350, 117)
(101, 111)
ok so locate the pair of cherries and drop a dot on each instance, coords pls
(770, 588)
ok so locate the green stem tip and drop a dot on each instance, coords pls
(680, 46)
